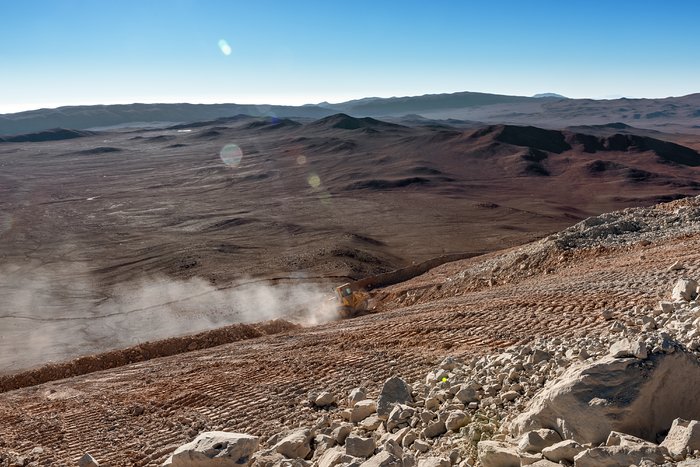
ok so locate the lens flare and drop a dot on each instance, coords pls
(231, 155)
(314, 181)
(301, 160)
(224, 47)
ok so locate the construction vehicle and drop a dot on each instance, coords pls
(352, 301)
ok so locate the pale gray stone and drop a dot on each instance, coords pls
(359, 447)
(497, 454)
(218, 448)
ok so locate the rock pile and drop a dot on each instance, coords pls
(624, 398)
(619, 229)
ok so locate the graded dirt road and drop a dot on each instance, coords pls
(137, 414)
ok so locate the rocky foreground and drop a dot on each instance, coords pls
(592, 340)
(613, 400)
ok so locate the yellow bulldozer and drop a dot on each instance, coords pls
(352, 301)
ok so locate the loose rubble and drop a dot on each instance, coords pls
(603, 400)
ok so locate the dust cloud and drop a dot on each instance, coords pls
(51, 313)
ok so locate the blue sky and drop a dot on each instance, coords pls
(70, 52)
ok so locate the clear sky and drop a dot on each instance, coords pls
(70, 52)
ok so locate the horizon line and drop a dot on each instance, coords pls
(310, 104)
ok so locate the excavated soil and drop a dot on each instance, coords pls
(137, 414)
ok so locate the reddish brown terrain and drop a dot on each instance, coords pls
(138, 414)
(114, 238)
(126, 239)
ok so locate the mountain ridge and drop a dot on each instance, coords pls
(683, 111)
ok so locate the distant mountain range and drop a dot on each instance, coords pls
(550, 94)
(546, 110)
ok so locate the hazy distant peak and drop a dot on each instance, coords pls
(346, 122)
(550, 94)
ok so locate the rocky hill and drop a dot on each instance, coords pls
(580, 348)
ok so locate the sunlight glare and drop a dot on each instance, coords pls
(225, 48)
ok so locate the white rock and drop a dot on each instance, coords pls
(676, 266)
(371, 423)
(362, 410)
(432, 403)
(331, 457)
(434, 462)
(615, 438)
(325, 399)
(356, 395)
(685, 289)
(359, 447)
(545, 463)
(497, 454)
(393, 448)
(625, 348)
(408, 438)
(536, 440)
(449, 364)
(527, 458)
(563, 451)
(322, 443)
(683, 437)
(457, 420)
(399, 414)
(466, 395)
(616, 456)
(341, 433)
(383, 459)
(296, 445)
(616, 394)
(215, 448)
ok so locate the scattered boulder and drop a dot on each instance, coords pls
(616, 394)
(536, 440)
(615, 438)
(399, 414)
(434, 429)
(448, 364)
(457, 420)
(325, 399)
(497, 454)
(215, 448)
(624, 348)
(685, 289)
(296, 445)
(341, 432)
(434, 462)
(362, 410)
(383, 459)
(466, 395)
(356, 395)
(682, 438)
(545, 463)
(331, 457)
(420, 445)
(615, 456)
(371, 423)
(394, 391)
(563, 451)
(359, 447)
